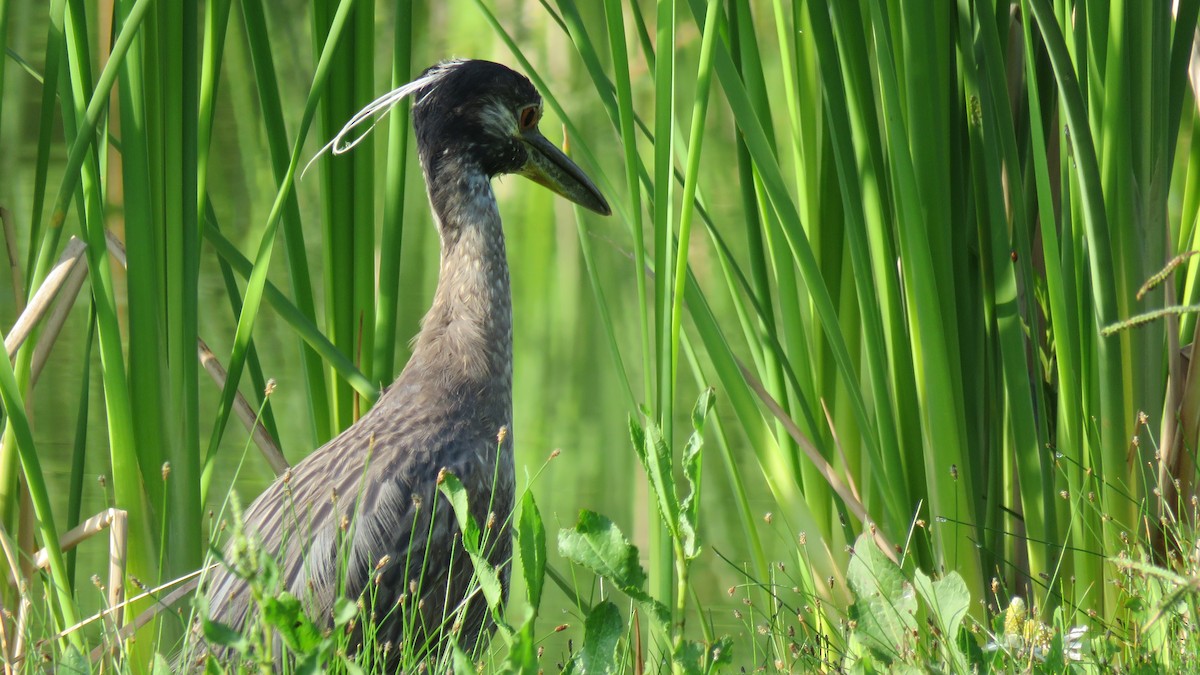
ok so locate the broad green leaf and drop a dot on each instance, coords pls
(948, 599)
(531, 538)
(601, 632)
(456, 494)
(344, 611)
(462, 662)
(721, 654)
(885, 603)
(689, 658)
(656, 460)
(522, 653)
(73, 661)
(639, 438)
(218, 633)
(285, 613)
(689, 508)
(489, 581)
(310, 665)
(598, 545)
(160, 665)
(704, 405)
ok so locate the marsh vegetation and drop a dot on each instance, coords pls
(884, 360)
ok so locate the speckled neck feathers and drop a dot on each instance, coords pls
(466, 337)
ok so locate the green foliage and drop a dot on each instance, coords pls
(885, 607)
(476, 545)
(597, 544)
(602, 631)
(531, 540)
(278, 621)
(886, 630)
(678, 514)
(947, 600)
(906, 241)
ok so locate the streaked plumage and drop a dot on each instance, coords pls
(473, 120)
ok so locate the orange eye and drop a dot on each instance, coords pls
(529, 117)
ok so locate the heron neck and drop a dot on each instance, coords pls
(467, 334)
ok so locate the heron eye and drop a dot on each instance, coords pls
(529, 117)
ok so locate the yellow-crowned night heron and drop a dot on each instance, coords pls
(374, 486)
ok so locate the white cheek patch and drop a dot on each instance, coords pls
(497, 120)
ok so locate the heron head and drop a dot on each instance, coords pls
(485, 115)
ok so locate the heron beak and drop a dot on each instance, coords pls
(549, 166)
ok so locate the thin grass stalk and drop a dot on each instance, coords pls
(258, 278)
(1190, 204)
(823, 222)
(51, 68)
(661, 571)
(339, 202)
(984, 90)
(753, 425)
(606, 317)
(1186, 14)
(1108, 388)
(694, 152)
(950, 487)
(80, 122)
(143, 225)
(870, 254)
(925, 72)
(620, 57)
(308, 333)
(252, 362)
(55, 40)
(62, 606)
(687, 211)
(823, 217)
(575, 26)
(395, 184)
(1115, 155)
(216, 22)
(3, 50)
(1061, 292)
(79, 451)
(733, 472)
(785, 208)
(258, 41)
(182, 256)
(765, 237)
(362, 307)
(754, 205)
(9, 453)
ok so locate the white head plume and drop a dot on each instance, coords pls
(381, 106)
